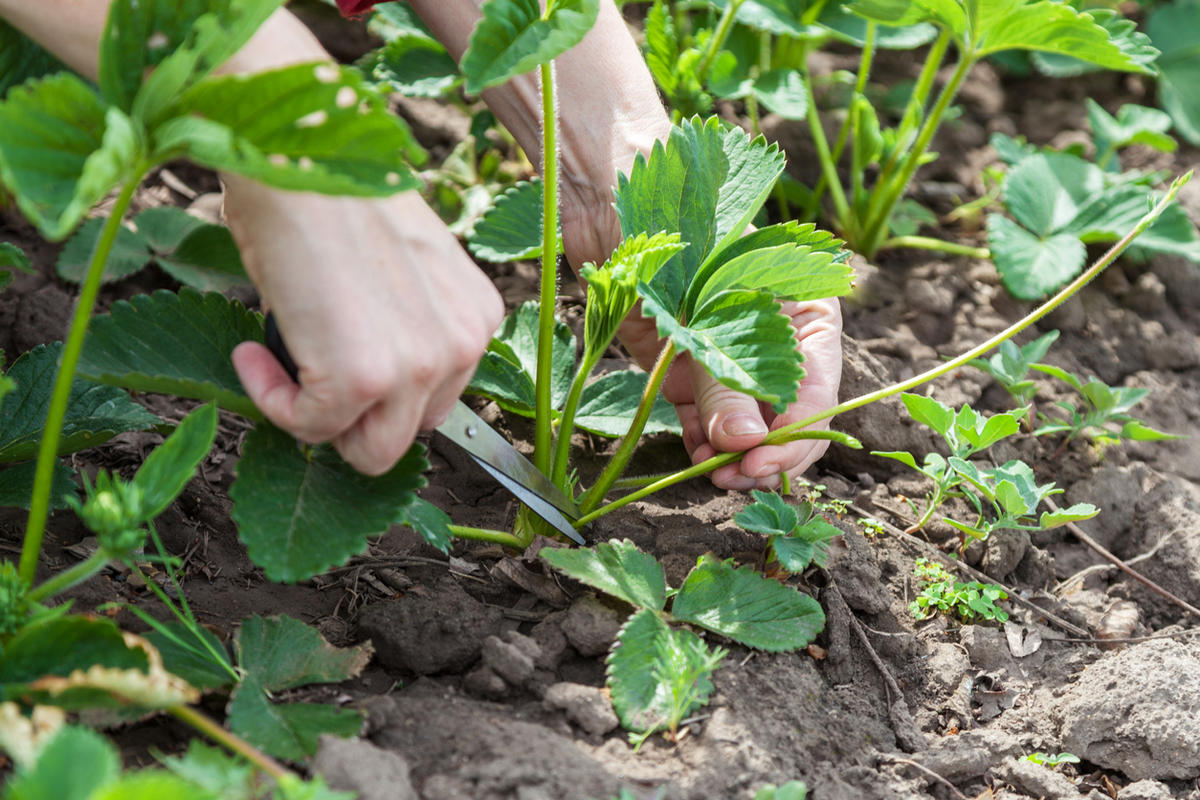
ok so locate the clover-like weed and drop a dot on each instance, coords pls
(969, 601)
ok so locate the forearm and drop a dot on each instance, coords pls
(71, 30)
(608, 106)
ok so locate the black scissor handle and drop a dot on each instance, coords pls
(274, 341)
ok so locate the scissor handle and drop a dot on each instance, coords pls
(274, 341)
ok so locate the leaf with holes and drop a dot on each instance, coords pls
(300, 512)
(94, 413)
(744, 606)
(175, 344)
(515, 36)
(308, 127)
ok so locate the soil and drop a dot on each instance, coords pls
(488, 675)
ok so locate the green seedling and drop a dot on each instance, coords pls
(1132, 125)
(1010, 367)
(657, 673)
(871, 527)
(796, 534)
(966, 601)
(1104, 417)
(1051, 761)
(792, 790)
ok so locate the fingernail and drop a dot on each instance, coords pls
(743, 425)
(766, 471)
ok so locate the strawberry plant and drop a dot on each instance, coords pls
(796, 534)
(1105, 416)
(1010, 366)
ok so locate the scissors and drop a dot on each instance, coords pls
(486, 447)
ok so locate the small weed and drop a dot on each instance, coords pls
(967, 601)
(1052, 761)
(1104, 417)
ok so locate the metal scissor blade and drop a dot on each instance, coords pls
(503, 462)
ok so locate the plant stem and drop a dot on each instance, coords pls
(939, 245)
(915, 110)
(71, 577)
(542, 436)
(620, 459)
(724, 26)
(566, 423)
(502, 538)
(796, 429)
(828, 166)
(229, 740)
(888, 192)
(39, 503)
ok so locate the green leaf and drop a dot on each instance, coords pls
(182, 655)
(852, 29)
(175, 344)
(21, 59)
(283, 653)
(308, 127)
(782, 92)
(1141, 432)
(742, 340)
(142, 34)
(129, 253)
(1174, 28)
(13, 256)
(511, 230)
(770, 514)
(744, 606)
(71, 766)
(413, 65)
(1050, 27)
(16, 485)
(171, 465)
(780, 17)
(151, 785)
(62, 150)
(291, 787)
(225, 776)
(1133, 124)
(428, 520)
(657, 675)
(59, 646)
(662, 49)
(927, 411)
(514, 37)
(607, 406)
(1045, 192)
(788, 272)
(514, 354)
(612, 288)
(706, 183)
(302, 511)
(792, 790)
(793, 553)
(817, 532)
(286, 730)
(617, 568)
(1031, 267)
(1075, 513)
(94, 413)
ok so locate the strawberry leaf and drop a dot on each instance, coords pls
(506, 372)
(511, 230)
(21, 59)
(413, 65)
(608, 404)
(1174, 28)
(16, 485)
(514, 37)
(617, 568)
(1031, 267)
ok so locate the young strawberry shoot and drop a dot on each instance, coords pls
(1010, 367)
(796, 534)
(1105, 416)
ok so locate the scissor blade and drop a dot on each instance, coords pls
(530, 498)
(499, 457)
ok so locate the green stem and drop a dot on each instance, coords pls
(828, 166)
(620, 459)
(888, 192)
(71, 577)
(566, 423)
(543, 434)
(229, 740)
(796, 429)
(39, 503)
(939, 245)
(915, 110)
(488, 535)
(724, 26)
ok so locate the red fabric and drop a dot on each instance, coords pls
(355, 8)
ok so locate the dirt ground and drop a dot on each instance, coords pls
(487, 677)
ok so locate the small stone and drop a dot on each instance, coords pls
(507, 661)
(1147, 295)
(590, 626)
(356, 765)
(1176, 350)
(988, 647)
(586, 706)
(1005, 549)
(946, 665)
(1145, 790)
(1115, 491)
(484, 682)
(551, 642)
(928, 297)
(967, 755)
(1037, 780)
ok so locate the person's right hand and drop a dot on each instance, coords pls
(383, 312)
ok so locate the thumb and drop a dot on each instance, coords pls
(732, 421)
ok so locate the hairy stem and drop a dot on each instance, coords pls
(938, 245)
(828, 165)
(566, 426)
(39, 504)
(71, 577)
(542, 436)
(231, 741)
(796, 430)
(717, 41)
(914, 112)
(620, 459)
(502, 538)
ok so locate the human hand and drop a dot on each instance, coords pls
(383, 313)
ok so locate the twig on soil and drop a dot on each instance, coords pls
(908, 762)
(1129, 639)
(1079, 577)
(932, 550)
(908, 735)
(1121, 565)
